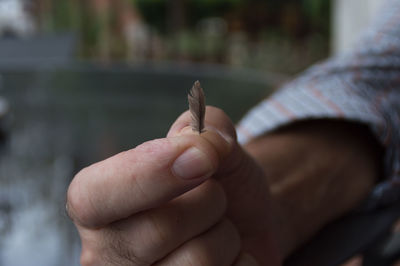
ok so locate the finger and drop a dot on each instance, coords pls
(215, 120)
(142, 178)
(151, 235)
(246, 259)
(217, 247)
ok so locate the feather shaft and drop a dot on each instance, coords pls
(197, 107)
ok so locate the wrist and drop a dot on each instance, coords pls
(317, 171)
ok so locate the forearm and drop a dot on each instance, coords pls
(317, 171)
(361, 85)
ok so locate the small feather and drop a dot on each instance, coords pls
(197, 107)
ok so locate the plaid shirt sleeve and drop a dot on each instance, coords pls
(361, 85)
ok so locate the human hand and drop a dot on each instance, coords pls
(318, 170)
(187, 199)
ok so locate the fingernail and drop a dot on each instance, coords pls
(192, 164)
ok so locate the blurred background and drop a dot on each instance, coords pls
(284, 36)
(81, 80)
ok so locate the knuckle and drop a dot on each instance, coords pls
(116, 254)
(73, 200)
(157, 232)
(110, 249)
(123, 254)
(88, 258)
(154, 237)
(123, 250)
(78, 204)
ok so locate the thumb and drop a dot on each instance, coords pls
(244, 183)
(219, 131)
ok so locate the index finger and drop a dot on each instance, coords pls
(142, 178)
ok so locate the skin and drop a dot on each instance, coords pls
(221, 204)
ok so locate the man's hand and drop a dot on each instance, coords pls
(187, 199)
(194, 199)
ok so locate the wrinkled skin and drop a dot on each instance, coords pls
(192, 199)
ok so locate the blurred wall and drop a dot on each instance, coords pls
(350, 17)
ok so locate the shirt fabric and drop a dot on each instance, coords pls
(361, 85)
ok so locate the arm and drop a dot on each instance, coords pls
(164, 204)
(361, 86)
(317, 170)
